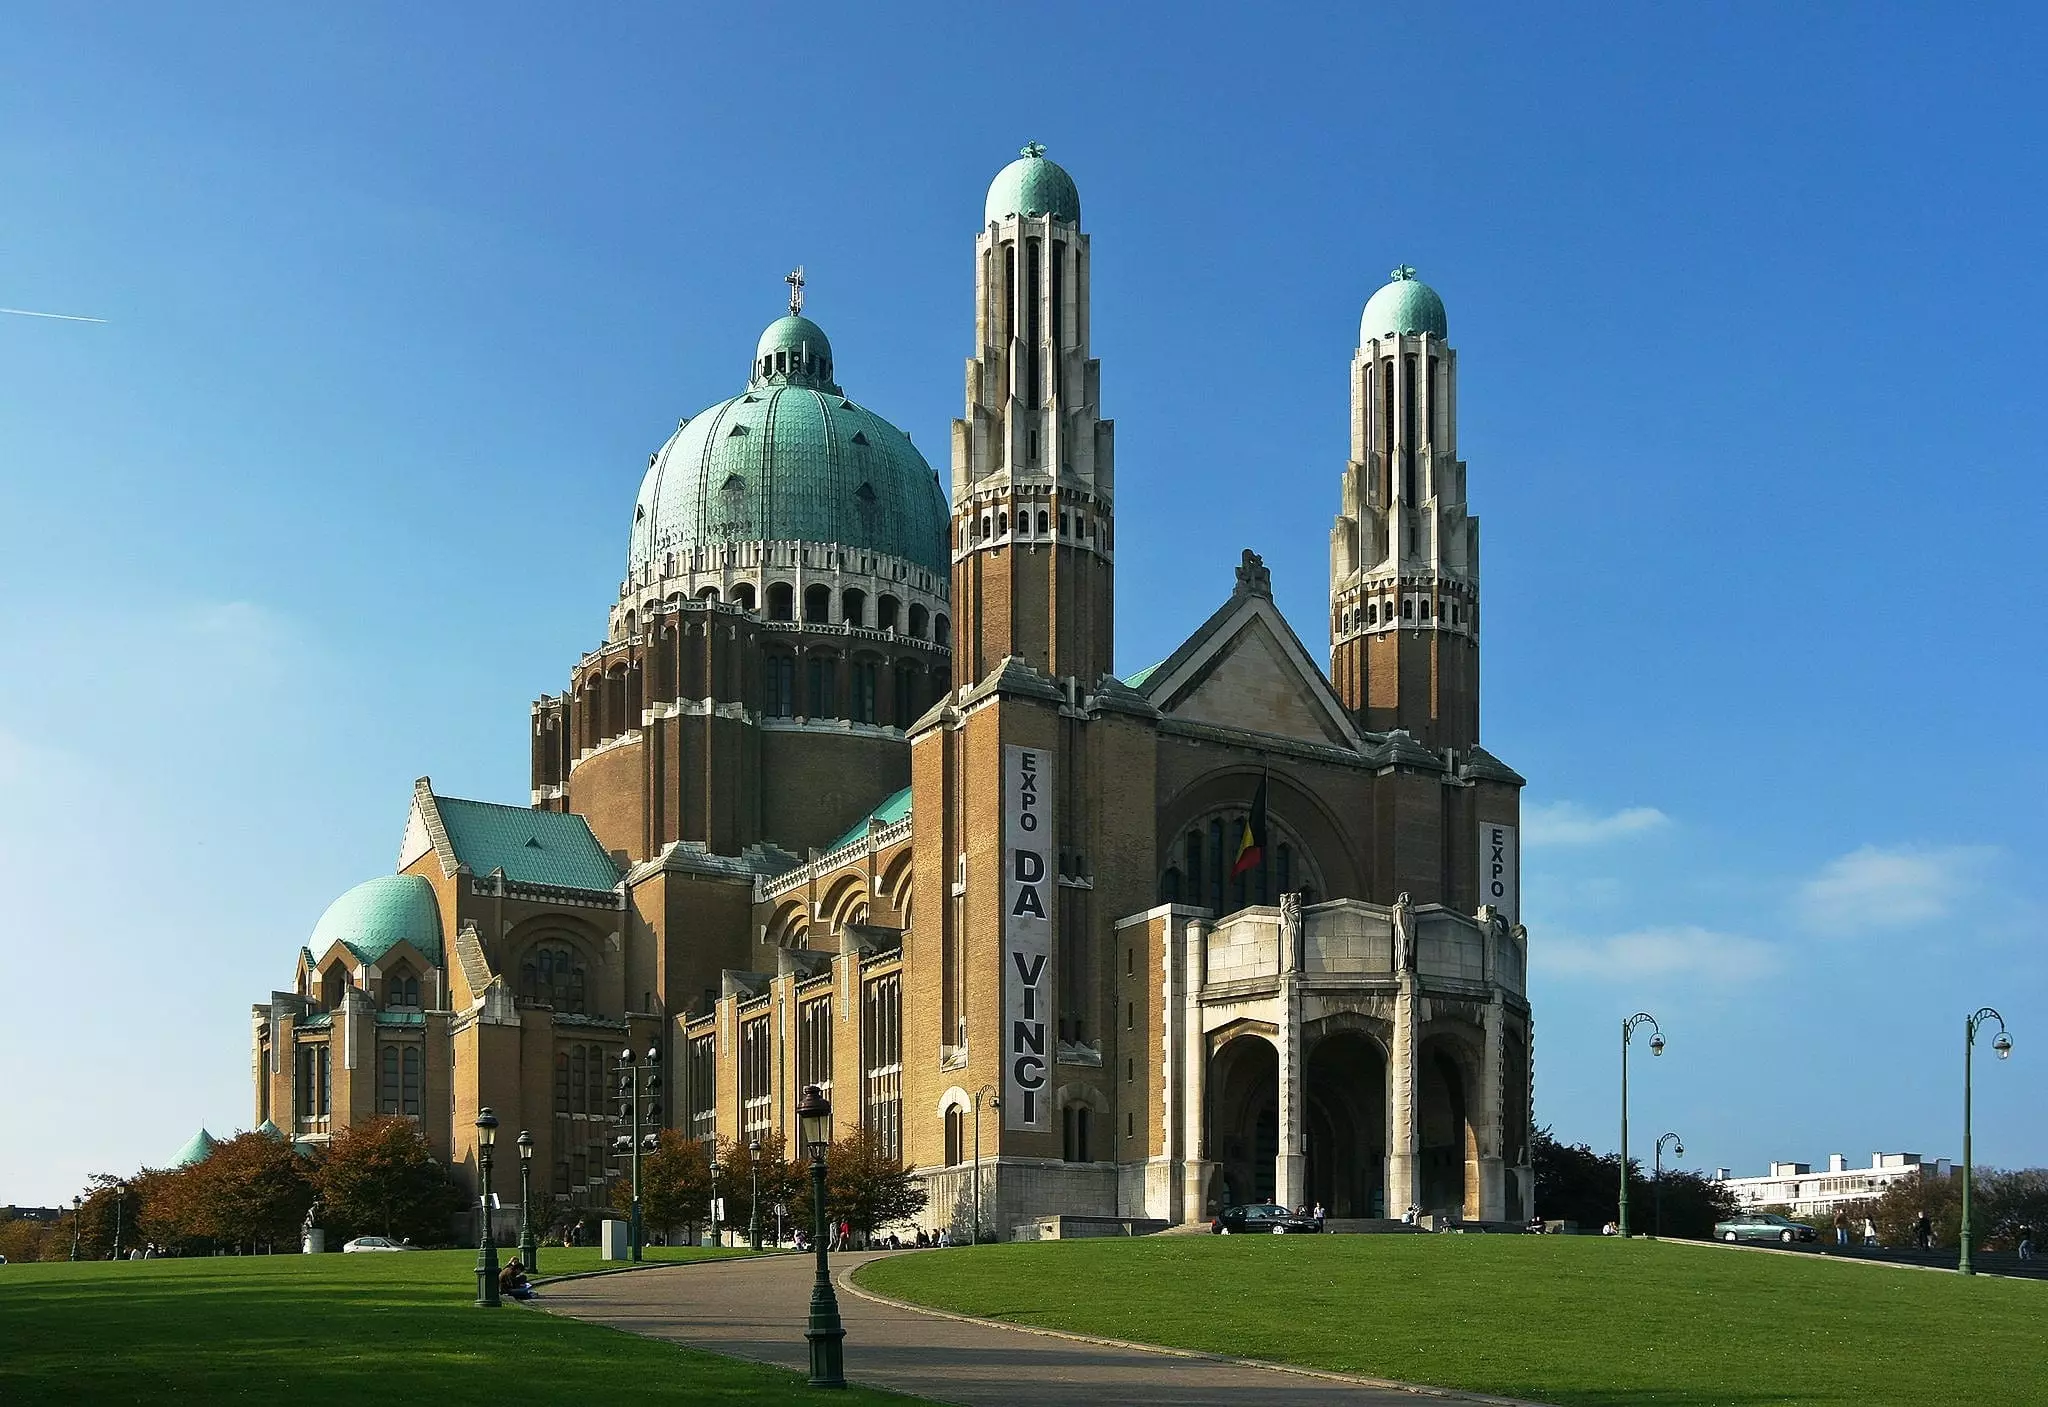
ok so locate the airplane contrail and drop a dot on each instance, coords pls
(62, 317)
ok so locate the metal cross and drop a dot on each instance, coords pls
(795, 279)
(1032, 149)
(1403, 274)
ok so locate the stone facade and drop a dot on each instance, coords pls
(817, 812)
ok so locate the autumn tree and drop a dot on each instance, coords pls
(108, 1206)
(675, 1183)
(381, 1177)
(251, 1190)
(24, 1239)
(866, 1185)
(781, 1181)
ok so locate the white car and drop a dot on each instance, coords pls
(375, 1243)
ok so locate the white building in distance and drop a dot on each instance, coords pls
(1806, 1192)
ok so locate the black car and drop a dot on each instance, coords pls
(1262, 1218)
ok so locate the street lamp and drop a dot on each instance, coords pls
(717, 1236)
(2003, 1045)
(825, 1333)
(995, 1101)
(637, 1079)
(487, 1243)
(1628, 1029)
(76, 1203)
(529, 1244)
(120, 1197)
(754, 1203)
(1678, 1147)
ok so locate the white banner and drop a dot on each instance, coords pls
(1500, 870)
(1027, 938)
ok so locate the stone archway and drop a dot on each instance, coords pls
(1244, 1118)
(1448, 1137)
(1346, 1117)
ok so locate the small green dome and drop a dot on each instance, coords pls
(790, 459)
(806, 343)
(379, 914)
(1031, 185)
(1404, 308)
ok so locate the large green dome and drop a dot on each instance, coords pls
(1031, 185)
(379, 914)
(1404, 308)
(790, 459)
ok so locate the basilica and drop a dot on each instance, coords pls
(851, 795)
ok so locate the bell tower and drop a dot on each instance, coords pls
(1033, 476)
(1404, 554)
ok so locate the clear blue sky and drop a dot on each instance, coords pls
(400, 297)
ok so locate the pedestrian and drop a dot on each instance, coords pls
(1319, 1216)
(1841, 1227)
(1869, 1232)
(2026, 1242)
(845, 1235)
(1923, 1232)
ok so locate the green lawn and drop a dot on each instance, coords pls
(309, 1330)
(1562, 1319)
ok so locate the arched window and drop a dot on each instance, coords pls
(942, 630)
(1216, 871)
(1169, 885)
(818, 605)
(920, 618)
(1194, 867)
(743, 595)
(411, 1102)
(1407, 608)
(905, 693)
(1076, 1129)
(823, 699)
(853, 606)
(552, 975)
(860, 702)
(1002, 524)
(781, 601)
(778, 674)
(1041, 522)
(561, 1082)
(984, 527)
(334, 986)
(956, 1140)
(387, 1080)
(1063, 523)
(886, 610)
(1372, 613)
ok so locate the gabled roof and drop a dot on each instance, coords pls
(1245, 668)
(888, 813)
(531, 847)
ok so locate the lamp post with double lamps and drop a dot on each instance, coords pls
(1628, 1029)
(639, 1098)
(995, 1101)
(529, 1244)
(1677, 1147)
(754, 1201)
(486, 1242)
(825, 1333)
(2003, 1045)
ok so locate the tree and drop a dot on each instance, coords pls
(781, 1181)
(865, 1186)
(22, 1239)
(381, 1177)
(675, 1183)
(1575, 1184)
(103, 1211)
(252, 1190)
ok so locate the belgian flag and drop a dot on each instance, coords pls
(1251, 846)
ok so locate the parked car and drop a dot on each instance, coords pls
(1261, 1217)
(377, 1243)
(1763, 1226)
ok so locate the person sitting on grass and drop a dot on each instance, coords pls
(512, 1281)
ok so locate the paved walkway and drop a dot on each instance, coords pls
(756, 1309)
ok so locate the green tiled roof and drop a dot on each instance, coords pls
(270, 1130)
(378, 914)
(198, 1148)
(1137, 681)
(1031, 185)
(888, 813)
(1404, 307)
(531, 847)
(790, 459)
(401, 1018)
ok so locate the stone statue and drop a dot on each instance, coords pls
(1405, 936)
(312, 1216)
(1253, 578)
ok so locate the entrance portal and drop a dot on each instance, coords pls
(1347, 1125)
(1244, 1118)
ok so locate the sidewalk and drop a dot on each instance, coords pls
(756, 1309)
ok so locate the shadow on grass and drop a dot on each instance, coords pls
(330, 1329)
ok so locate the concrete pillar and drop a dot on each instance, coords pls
(1492, 1189)
(1290, 1164)
(1404, 1162)
(1196, 1169)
